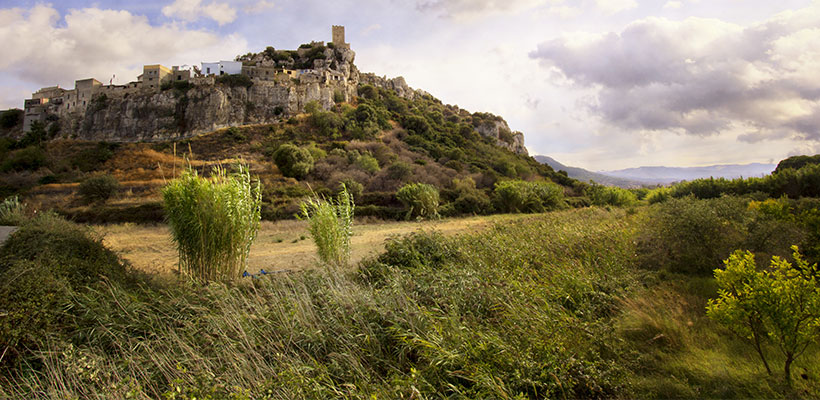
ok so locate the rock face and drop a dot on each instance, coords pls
(505, 137)
(398, 85)
(173, 114)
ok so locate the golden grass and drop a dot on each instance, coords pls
(281, 245)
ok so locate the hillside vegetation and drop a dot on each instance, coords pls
(375, 146)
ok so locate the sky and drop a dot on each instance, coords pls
(597, 84)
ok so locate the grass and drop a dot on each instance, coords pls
(213, 222)
(465, 324)
(330, 225)
(279, 245)
(536, 306)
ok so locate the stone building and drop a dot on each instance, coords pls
(338, 35)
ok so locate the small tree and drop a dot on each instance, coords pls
(331, 224)
(213, 221)
(780, 305)
(421, 199)
(293, 161)
(98, 189)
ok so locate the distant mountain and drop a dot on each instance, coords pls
(586, 176)
(666, 175)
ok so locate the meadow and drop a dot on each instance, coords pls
(565, 304)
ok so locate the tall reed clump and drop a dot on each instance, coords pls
(213, 221)
(331, 223)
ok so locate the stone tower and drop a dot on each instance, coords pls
(339, 36)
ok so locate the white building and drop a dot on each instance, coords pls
(222, 68)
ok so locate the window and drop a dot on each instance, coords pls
(179, 77)
(209, 70)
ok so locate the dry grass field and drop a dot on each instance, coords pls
(281, 245)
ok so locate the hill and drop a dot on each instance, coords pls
(667, 175)
(584, 175)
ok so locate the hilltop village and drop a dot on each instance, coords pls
(256, 88)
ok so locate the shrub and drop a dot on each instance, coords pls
(658, 195)
(330, 226)
(522, 196)
(293, 161)
(98, 188)
(235, 134)
(235, 80)
(368, 163)
(10, 118)
(30, 158)
(610, 196)
(693, 236)
(213, 222)
(468, 199)
(12, 212)
(421, 199)
(780, 304)
(91, 158)
(399, 170)
(42, 264)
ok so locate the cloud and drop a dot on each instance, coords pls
(193, 10)
(673, 4)
(701, 76)
(615, 6)
(42, 48)
(258, 7)
(473, 8)
(370, 29)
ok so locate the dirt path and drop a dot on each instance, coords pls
(279, 245)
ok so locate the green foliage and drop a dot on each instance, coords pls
(237, 80)
(610, 196)
(330, 225)
(11, 118)
(34, 137)
(658, 195)
(12, 211)
(91, 158)
(368, 163)
(467, 199)
(780, 305)
(30, 158)
(399, 171)
(421, 199)
(213, 222)
(796, 162)
(528, 197)
(293, 161)
(694, 236)
(97, 189)
(43, 264)
(235, 134)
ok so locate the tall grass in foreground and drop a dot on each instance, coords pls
(12, 212)
(213, 221)
(330, 226)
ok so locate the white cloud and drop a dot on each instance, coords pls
(43, 50)
(370, 29)
(615, 6)
(258, 7)
(701, 76)
(673, 4)
(193, 10)
(474, 8)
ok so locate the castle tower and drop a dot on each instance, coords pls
(339, 36)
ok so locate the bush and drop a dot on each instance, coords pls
(28, 159)
(213, 222)
(421, 199)
(91, 158)
(528, 197)
(610, 196)
(293, 161)
(11, 118)
(368, 163)
(98, 189)
(12, 212)
(658, 195)
(693, 236)
(468, 199)
(43, 263)
(330, 225)
(235, 80)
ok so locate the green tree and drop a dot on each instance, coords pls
(98, 188)
(293, 161)
(780, 305)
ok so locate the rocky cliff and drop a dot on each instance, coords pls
(174, 114)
